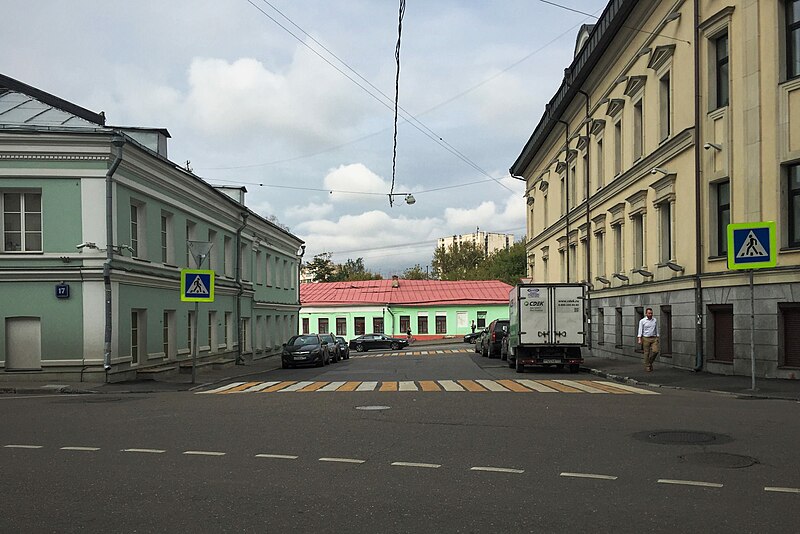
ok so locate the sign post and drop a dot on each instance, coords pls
(752, 246)
(197, 285)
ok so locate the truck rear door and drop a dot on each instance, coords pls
(568, 304)
(534, 319)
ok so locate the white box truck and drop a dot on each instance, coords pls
(547, 325)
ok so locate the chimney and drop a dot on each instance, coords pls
(395, 281)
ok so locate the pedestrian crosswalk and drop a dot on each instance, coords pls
(473, 386)
(417, 352)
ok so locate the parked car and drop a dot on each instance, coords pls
(492, 339)
(377, 341)
(479, 339)
(306, 349)
(473, 336)
(333, 348)
(344, 348)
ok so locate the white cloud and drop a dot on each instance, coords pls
(310, 210)
(356, 177)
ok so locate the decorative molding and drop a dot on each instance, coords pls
(635, 84)
(660, 56)
(561, 166)
(637, 202)
(617, 212)
(598, 125)
(52, 157)
(562, 243)
(599, 223)
(664, 189)
(615, 106)
(583, 142)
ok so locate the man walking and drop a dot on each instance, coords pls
(648, 339)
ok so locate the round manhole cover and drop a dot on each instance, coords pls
(682, 437)
(373, 408)
(720, 459)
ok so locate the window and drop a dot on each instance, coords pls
(638, 130)
(268, 269)
(167, 329)
(788, 326)
(322, 325)
(359, 324)
(665, 235)
(306, 326)
(618, 328)
(546, 211)
(481, 323)
(257, 268)
(245, 337)
(562, 257)
(665, 106)
(136, 332)
(721, 70)
(792, 38)
(341, 326)
(135, 223)
(166, 238)
(572, 179)
(212, 238)
(585, 187)
(638, 241)
(228, 341)
(793, 197)
(405, 323)
(618, 147)
(243, 261)
(278, 273)
(422, 324)
(723, 213)
(22, 222)
(617, 231)
(377, 325)
(600, 240)
(227, 260)
(441, 324)
(563, 194)
(212, 331)
(601, 326)
(665, 330)
(546, 268)
(286, 278)
(600, 163)
(572, 260)
(722, 332)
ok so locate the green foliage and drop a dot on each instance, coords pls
(415, 273)
(506, 265)
(466, 262)
(353, 270)
(322, 266)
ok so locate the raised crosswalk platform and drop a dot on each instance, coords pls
(471, 386)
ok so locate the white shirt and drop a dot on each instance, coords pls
(648, 327)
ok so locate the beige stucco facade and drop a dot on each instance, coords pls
(628, 173)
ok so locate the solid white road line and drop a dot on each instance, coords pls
(150, 451)
(450, 385)
(261, 386)
(689, 483)
(491, 385)
(582, 387)
(223, 388)
(589, 475)
(497, 469)
(343, 460)
(782, 490)
(414, 464)
(204, 453)
(295, 387)
(86, 449)
(406, 385)
(367, 386)
(23, 446)
(627, 388)
(333, 386)
(536, 386)
(278, 456)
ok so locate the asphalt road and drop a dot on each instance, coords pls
(437, 461)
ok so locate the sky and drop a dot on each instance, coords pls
(247, 101)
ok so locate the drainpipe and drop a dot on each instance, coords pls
(117, 142)
(240, 337)
(698, 288)
(588, 230)
(389, 309)
(566, 187)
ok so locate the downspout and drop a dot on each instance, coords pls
(240, 291)
(698, 288)
(588, 230)
(299, 268)
(389, 309)
(117, 141)
(566, 188)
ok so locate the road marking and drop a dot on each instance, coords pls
(513, 386)
(605, 388)
(241, 387)
(497, 469)
(408, 386)
(23, 446)
(581, 386)
(429, 385)
(782, 490)
(367, 386)
(314, 386)
(560, 387)
(278, 456)
(204, 453)
(689, 483)
(470, 385)
(536, 386)
(424, 352)
(491, 385)
(224, 388)
(388, 386)
(414, 464)
(628, 388)
(277, 387)
(589, 475)
(333, 386)
(450, 385)
(349, 386)
(343, 460)
(146, 451)
(263, 385)
(296, 386)
(85, 449)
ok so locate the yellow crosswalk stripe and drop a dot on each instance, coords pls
(471, 385)
(388, 386)
(513, 386)
(279, 386)
(429, 385)
(560, 387)
(315, 386)
(608, 388)
(240, 388)
(349, 386)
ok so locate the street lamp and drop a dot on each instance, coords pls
(409, 198)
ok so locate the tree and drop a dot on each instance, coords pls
(507, 265)
(457, 262)
(353, 270)
(322, 267)
(415, 273)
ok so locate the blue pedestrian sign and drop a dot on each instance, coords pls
(752, 245)
(197, 285)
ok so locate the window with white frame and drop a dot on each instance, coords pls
(618, 147)
(563, 192)
(584, 187)
(244, 261)
(22, 221)
(227, 260)
(138, 233)
(600, 164)
(721, 196)
(167, 239)
(572, 251)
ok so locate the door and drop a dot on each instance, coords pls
(23, 343)
(723, 333)
(568, 314)
(534, 323)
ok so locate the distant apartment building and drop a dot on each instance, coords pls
(488, 241)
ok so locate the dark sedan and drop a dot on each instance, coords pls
(307, 349)
(344, 349)
(377, 341)
(473, 337)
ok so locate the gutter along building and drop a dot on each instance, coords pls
(430, 309)
(69, 180)
(675, 119)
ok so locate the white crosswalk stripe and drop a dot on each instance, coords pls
(632, 389)
(582, 387)
(261, 386)
(450, 385)
(408, 386)
(367, 386)
(333, 386)
(295, 387)
(536, 386)
(491, 385)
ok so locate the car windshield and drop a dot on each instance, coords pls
(303, 340)
(341, 340)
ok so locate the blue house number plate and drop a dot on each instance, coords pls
(62, 291)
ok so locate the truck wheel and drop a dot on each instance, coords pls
(574, 368)
(520, 366)
(510, 363)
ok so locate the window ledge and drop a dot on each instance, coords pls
(717, 258)
(723, 362)
(142, 260)
(790, 248)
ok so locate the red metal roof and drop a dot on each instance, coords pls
(409, 292)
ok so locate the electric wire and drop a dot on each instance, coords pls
(396, 97)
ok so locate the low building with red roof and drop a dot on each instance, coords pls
(430, 309)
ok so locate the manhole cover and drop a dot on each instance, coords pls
(373, 408)
(720, 459)
(682, 437)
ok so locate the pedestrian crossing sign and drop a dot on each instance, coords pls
(752, 245)
(197, 285)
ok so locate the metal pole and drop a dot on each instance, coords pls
(752, 335)
(194, 342)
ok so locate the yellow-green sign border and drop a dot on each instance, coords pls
(773, 245)
(185, 273)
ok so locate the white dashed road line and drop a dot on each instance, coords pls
(83, 449)
(343, 460)
(23, 446)
(782, 490)
(278, 456)
(204, 453)
(689, 483)
(414, 464)
(589, 475)
(145, 451)
(497, 470)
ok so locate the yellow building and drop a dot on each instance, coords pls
(674, 119)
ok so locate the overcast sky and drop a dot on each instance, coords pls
(248, 104)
